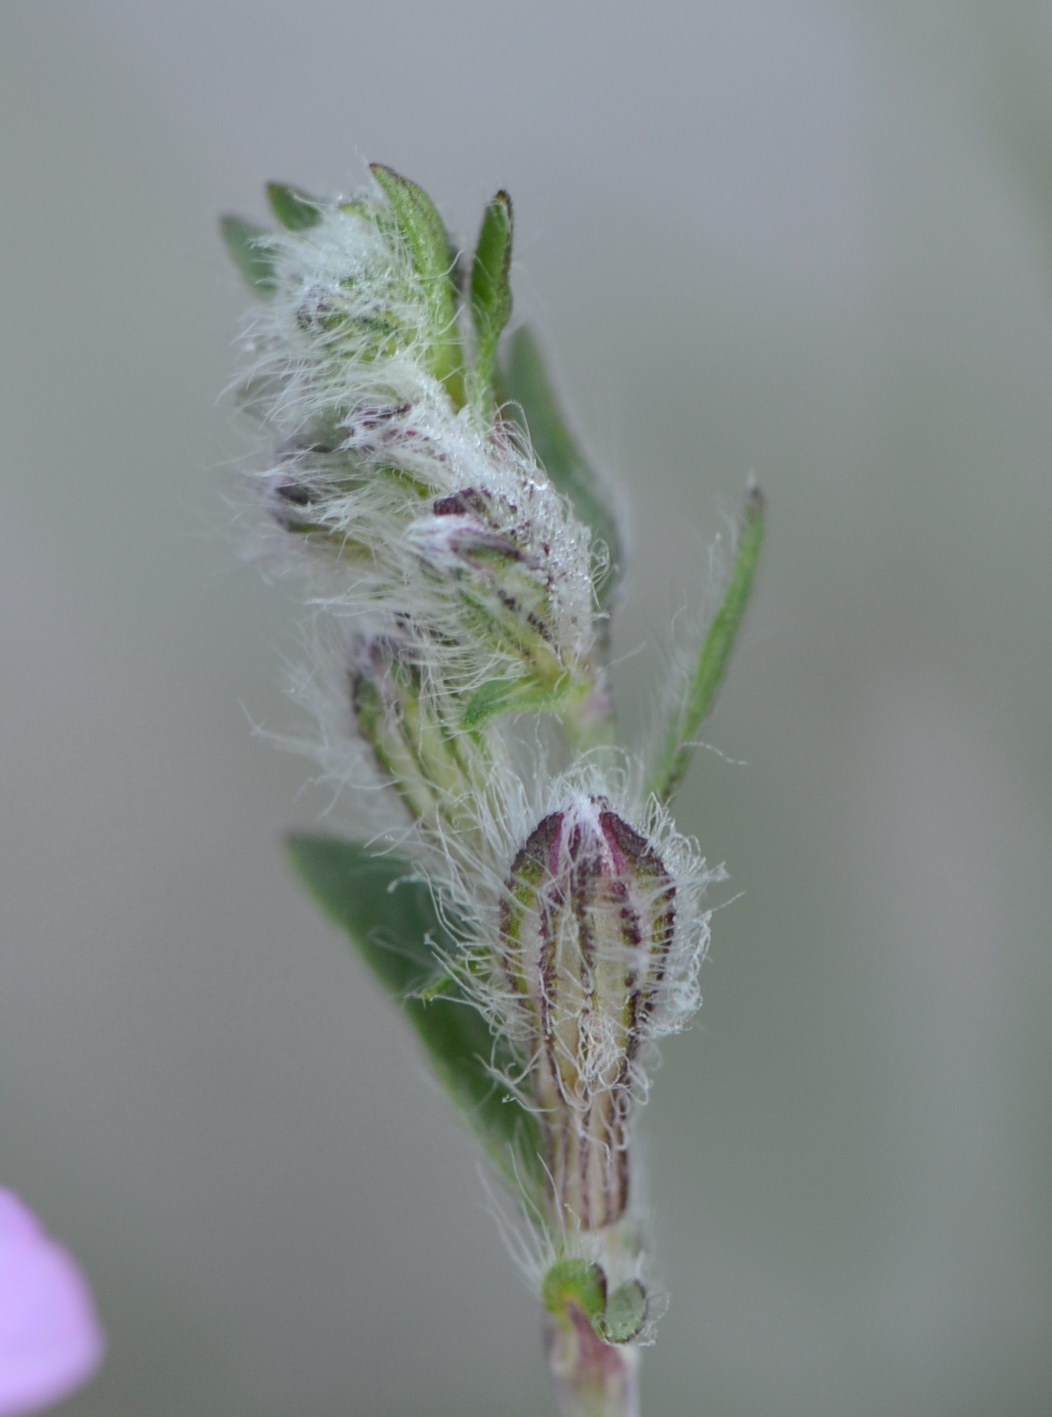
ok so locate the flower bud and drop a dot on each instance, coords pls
(362, 297)
(427, 760)
(588, 922)
(517, 598)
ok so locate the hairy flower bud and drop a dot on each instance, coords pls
(588, 923)
(366, 284)
(432, 765)
(406, 499)
(515, 595)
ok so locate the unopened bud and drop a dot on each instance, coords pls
(385, 284)
(588, 922)
(510, 589)
(427, 760)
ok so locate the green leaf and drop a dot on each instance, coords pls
(715, 654)
(419, 220)
(435, 263)
(499, 696)
(527, 383)
(491, 291)
(248, 245)
(295, 209)
(626, 1313)
(389, 916)
(391, 919)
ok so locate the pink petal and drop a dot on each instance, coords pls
(50, 1339)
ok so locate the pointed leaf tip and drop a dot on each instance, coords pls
(296, 209)
(419, 220)
(491, 297)
(715, 652)
(434, 260)
(248, 246)
(581, 1284)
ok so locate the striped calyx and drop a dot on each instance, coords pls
(588, 922)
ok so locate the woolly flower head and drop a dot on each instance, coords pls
(352, 323)
(407, 493)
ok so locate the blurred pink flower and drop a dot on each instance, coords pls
(50, 1339)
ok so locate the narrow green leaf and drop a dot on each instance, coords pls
(419, 220)
(296, 209)
(527, 383)
(392, 921)
(491, 292)
(247, 244)
(435, 263)
(626, 1313)
(499, 696)
(715, 654)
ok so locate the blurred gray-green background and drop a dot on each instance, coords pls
(804, 239)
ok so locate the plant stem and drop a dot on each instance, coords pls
(592, 1378)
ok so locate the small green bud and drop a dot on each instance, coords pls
(575, 1283)
(582, 1285)
(626, 1313)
